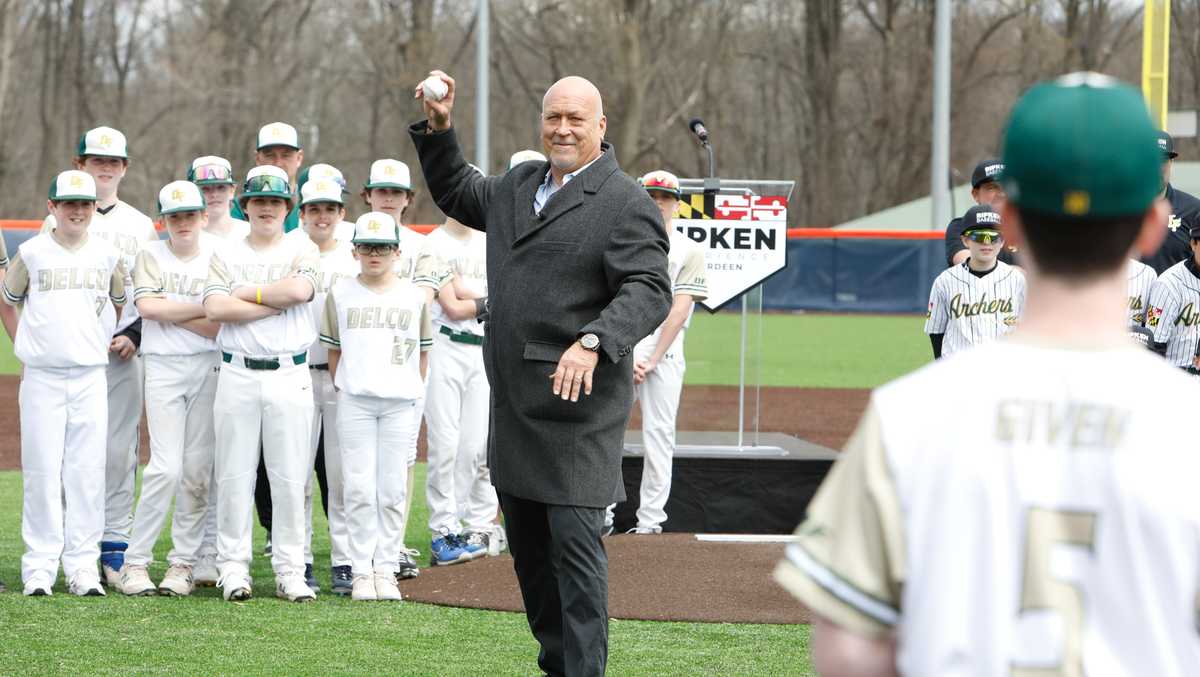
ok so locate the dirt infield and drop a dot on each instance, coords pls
(671, 577)
(825, 416)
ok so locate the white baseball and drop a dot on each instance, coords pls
(434, 88)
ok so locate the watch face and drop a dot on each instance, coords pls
(590, 341)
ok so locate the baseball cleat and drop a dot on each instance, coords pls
(204, 573)
(343, 581)
(178, 582)
(408, 564)
(310, 578)
(135, 581)
(112, 557)
(112, 577)
(476, 543)
(235, 587)
(364, 589)
(292, 588)
(445, 550)
(85, 583)
(385, 587)
(38, 585)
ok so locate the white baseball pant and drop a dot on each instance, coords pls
(325, 424)
(458, 483)
(372, 431)
(179, 391)
(120, 470)
(208, 544)
(658, 397)
(64, 428)
(273, 408)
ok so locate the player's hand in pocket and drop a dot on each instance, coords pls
(122, 346)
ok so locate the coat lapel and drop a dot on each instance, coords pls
(566, 199)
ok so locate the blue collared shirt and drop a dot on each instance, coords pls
(548, 187)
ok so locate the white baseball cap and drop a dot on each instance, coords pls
(278, 134)
(320, 190)
(103, 142)
(73, 185)
(389, 174)
(525, 156)
(266, 181)
(180, 196)
(211, 170)
(376, 228)
(321, 171)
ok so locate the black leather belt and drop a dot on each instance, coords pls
(462, 336)
(263, 364)
(319, 367)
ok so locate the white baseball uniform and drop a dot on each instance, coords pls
(1174, 311)
(264, 396)
(333, 266)
(1047, 528)
(1141, 278)
(181, 383)
(458, 485)
(127, 229)
(239, 230)
(62, 341)
(380, 336)
(658, 395)
(972, 309)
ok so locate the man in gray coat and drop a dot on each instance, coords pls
(577, 275)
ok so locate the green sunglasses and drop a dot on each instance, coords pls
(983, 236)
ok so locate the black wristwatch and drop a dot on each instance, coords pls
(590, 342)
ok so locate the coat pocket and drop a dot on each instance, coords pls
(544, 351)
(554, 247)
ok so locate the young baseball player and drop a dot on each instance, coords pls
(1141, 279)
(278, 145)
(258, 289)
(322, 212)
(65, 279)
(181, 380)
(659, 365)
(1049, 526)
(344, 230)
(462, 500)
(377, 329)
(103, 153)
(980, 299)
(1174, 310)
(985, 190)
(389, 190)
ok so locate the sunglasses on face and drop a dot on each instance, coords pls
(212, 173)
(983, 236)
(374, 249)
(266, 184)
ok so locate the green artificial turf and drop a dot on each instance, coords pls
(203, 634)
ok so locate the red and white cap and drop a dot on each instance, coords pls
(662, 181)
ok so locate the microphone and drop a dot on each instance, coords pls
(697, 127)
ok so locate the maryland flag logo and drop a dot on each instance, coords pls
(1010, 320)
(696, 206)
(1152, 316)
(929, 313)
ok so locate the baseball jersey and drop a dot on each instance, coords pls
(1141, 277)
(971, 309)
(159, 274)
(685, 266)
(333, 265)
(416, 264)
(127, 229)
(236, 264)
(1174, 311)
(1054, 524)
(466, 259)
(65, 293)
(379, 334)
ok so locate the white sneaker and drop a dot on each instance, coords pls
(135, 581)
(363, 589)
(386, 588)
(112, 577)
(235, 587)
(39, 585)
(177, 582)
(85, 583)
(292, 588)
(204, 573)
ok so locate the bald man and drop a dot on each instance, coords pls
(584, 261)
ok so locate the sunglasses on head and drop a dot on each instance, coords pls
(374, 249)
(265, 183)
(212, 173)
(983, 236)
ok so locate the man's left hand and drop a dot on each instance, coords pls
(574, 372)
(642, 369)
(123, 347)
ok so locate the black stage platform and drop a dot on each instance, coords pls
(718, 487)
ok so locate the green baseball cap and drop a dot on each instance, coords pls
(1082, 146)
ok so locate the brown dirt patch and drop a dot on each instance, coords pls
(669, 577)
(824, 416)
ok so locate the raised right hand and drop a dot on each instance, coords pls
(437, 112)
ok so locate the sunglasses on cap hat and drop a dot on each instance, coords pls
(212, 173)
(983, 236)
(265, 183)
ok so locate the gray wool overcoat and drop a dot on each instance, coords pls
(594, 261)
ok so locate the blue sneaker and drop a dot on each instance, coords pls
(474, 542)
(445, 550)
(112, 558)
